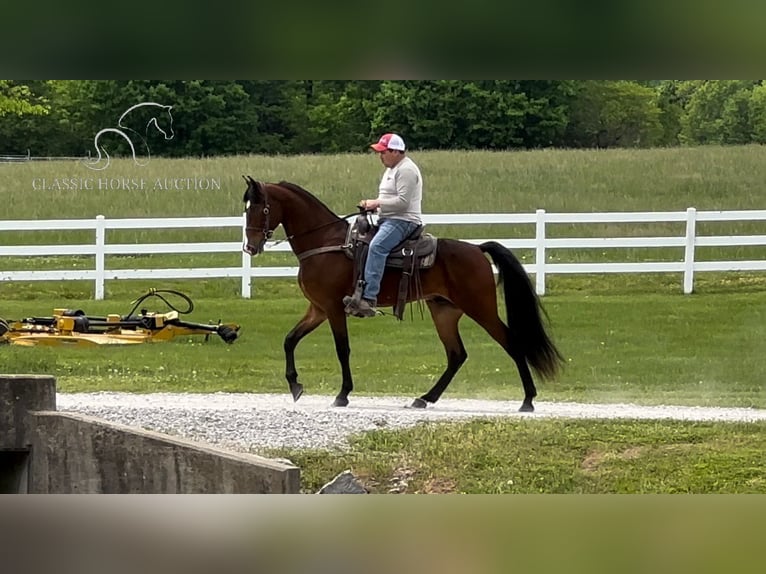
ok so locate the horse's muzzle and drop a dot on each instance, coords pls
(254, 250)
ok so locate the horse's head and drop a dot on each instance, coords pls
(163, 121)
(261, 216)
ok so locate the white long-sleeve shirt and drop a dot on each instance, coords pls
(401, 192)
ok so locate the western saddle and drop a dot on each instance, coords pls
(416, 252)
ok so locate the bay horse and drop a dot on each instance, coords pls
(460, 282)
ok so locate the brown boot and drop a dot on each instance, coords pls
(362, 308)
(366, 308)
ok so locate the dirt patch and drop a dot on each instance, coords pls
(632, 453)
(400, 480)
(592, 461)
(439, 485)
(595, 458)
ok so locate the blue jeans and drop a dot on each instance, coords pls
(391, 233)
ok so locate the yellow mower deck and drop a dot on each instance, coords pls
(76, 340)
(74, 329)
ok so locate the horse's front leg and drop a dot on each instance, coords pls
(310, 321)
(339, 328)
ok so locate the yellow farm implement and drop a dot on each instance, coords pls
(73, 328)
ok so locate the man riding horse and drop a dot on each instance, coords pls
(398, 205)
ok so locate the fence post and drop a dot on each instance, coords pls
(691, 235)
(540, 252)
(100, 248)
(246, 260)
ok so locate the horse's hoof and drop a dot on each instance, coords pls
(418, 404)
(527, 408)
(296, 389)
(340, 402)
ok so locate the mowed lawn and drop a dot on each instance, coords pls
(705, 349)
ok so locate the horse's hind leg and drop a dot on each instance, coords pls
(310, 321)
(445, 316)
(530, 392)
(502, 334)
(484, 312)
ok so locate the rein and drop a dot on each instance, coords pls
(294, 235)
(318, 250)
(267, 232)
(329, 248)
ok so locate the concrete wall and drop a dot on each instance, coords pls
(118, 459)
(44, 451)
(20, 394)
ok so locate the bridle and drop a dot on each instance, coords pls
(268, 233)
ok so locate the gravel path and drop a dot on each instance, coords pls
(243, 422)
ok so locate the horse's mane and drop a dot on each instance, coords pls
(308, 195)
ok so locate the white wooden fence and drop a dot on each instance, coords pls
(540, 243)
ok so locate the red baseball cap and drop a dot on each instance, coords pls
(389, 141)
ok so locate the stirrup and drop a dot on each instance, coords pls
(351, 303)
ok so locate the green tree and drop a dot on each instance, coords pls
(280, 108)
(547, 109)
(716, 113)
(670, 100)
(338, 115)
(417, 110)
(210, 117)
(446, 114)
(614, 114)
(757, 111)
(736, 122)
(18, 99)
(24, 109)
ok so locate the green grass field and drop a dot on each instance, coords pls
(626, 337)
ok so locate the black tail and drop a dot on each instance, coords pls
(524, 310)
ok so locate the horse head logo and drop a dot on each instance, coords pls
(159, 117)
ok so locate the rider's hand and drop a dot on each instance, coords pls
(369, 204)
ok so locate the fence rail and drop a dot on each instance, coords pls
(540, 243)
(17, 158)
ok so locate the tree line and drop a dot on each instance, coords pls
(226, 117)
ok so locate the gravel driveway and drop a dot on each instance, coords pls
(243, 422)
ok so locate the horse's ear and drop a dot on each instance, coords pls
(253, 191)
